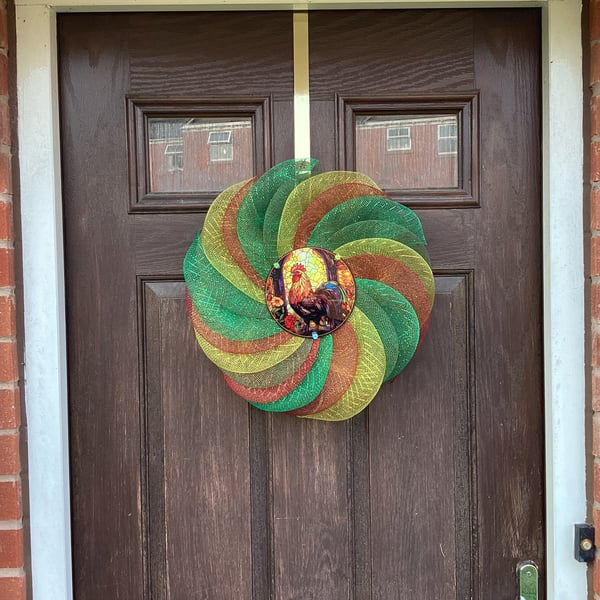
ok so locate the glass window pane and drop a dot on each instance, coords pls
(199, 154)
(408, 151)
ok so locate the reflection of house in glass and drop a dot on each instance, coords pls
(408, 151)
(209, 154)
(199, 154)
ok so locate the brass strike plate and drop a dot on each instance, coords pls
(528, 576)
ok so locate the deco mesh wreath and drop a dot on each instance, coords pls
(309, 291)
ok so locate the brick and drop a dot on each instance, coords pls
(595, 256)
(596, 565)
(594, 20)
(12, 588)
(594, 64)
(10, 408)
(3, 75)
(7, 267)
(6, 221)
(9, 366)
(3, 27)
(5, 173)
(11, 508)
(11, 548)
(10, 463)
(5, 133)
(595, 210)
(8, 320)
(594, 301)
(595, 115)
(595, 161)
(595, 347)
(596, 390)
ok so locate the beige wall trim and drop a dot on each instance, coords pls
(141, 5)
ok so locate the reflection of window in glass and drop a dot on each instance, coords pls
(408, 151)
(220, 145)
(195, 153)
(398, 138)
(219, 137)
(174, 156)
(447, 138)
(160, 130)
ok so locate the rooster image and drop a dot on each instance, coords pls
(321, 309)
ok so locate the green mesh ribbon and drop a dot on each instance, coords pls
(247, 230)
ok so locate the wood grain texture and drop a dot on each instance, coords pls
(374, 54)
(492, 520)
(510, 420)
(202, 52)
(204, 439)
(420, 462)
(104, 425)
(311, 510)
(156, 519)
(379, 53)
(179, 490)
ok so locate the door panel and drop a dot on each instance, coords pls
(493, 248)
(179, 489)
(419, 446)
(136, 507)
(198, 530)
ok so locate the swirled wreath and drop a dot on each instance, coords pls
(309, 291)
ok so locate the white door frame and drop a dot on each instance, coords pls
(43, 273)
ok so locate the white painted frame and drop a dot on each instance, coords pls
(44, 298)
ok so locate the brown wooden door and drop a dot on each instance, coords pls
(179, 489)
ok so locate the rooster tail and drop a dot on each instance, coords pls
(334, 291)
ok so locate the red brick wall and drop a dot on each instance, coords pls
(12, 577)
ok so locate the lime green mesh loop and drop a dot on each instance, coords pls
(303, 195)
(251, 214)
(276, 374)
(369, 373)
(309, 388)
(221, 305)
(273, 217)
(400, 316)
(381, 321)
(213, 244)
(249, 363)
(395, 250)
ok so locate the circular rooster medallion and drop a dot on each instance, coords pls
(310, 292)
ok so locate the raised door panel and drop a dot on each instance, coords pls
(342, 508)
(197, 453)
(422, 509)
